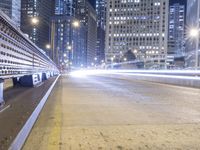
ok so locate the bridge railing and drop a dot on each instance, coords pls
(18, 55)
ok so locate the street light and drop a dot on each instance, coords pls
(65, 55)
(194, 33)
(69, 47)
(48, 46)
(76, 24)
(35, 21)
(135, 51)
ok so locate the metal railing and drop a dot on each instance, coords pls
(18, 55)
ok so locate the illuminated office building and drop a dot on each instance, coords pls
(39, 29)
(101, 27)
(140, 26)
(86, 13)
(176, 35)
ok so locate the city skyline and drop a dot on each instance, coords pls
(112, 46)
(115, 75)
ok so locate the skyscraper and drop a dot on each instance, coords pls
(101, 27)
(86, 13)
(176, 30)
(68, 40)
(35, 20)
(12, 8)
(140, 26)
(192, 44)
(65, 7)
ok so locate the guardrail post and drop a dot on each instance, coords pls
(2, 102)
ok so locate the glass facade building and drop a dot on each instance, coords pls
(86, 13)
(101, 27)
(39, 32)
(140, 26)
(12, 8)
(176, 37)
(68, 42)
(64, 7)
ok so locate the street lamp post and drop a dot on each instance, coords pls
(35, 21)
(194, 33)
(69, 48)
(112, 59)
(75, 24)
(48, 47)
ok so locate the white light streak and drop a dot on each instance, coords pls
(178, 74)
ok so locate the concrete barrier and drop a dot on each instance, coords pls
(31, 80)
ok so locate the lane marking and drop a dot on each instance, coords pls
(2, 110)
(39, 84)
(25, 131)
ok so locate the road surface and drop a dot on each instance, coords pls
(20, 103)
(108, 112)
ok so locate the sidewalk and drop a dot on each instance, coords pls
(83, 114)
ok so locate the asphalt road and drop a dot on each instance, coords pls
(20, 103)
(109, 112)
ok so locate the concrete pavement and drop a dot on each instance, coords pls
(20, 103)
(102, 112)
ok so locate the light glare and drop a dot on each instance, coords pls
(194, 32)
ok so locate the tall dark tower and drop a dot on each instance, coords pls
(65, 7)
(35, 20)
(68, 39)
(86, 13)
(101, 26)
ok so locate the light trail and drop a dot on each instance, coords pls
(186, 74)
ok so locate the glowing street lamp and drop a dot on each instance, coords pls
(65, 55)
(69, 47)
(48, 46)
(76, 24)
(135, 51)
(194, 33)
(125, 59)
(34, 20)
